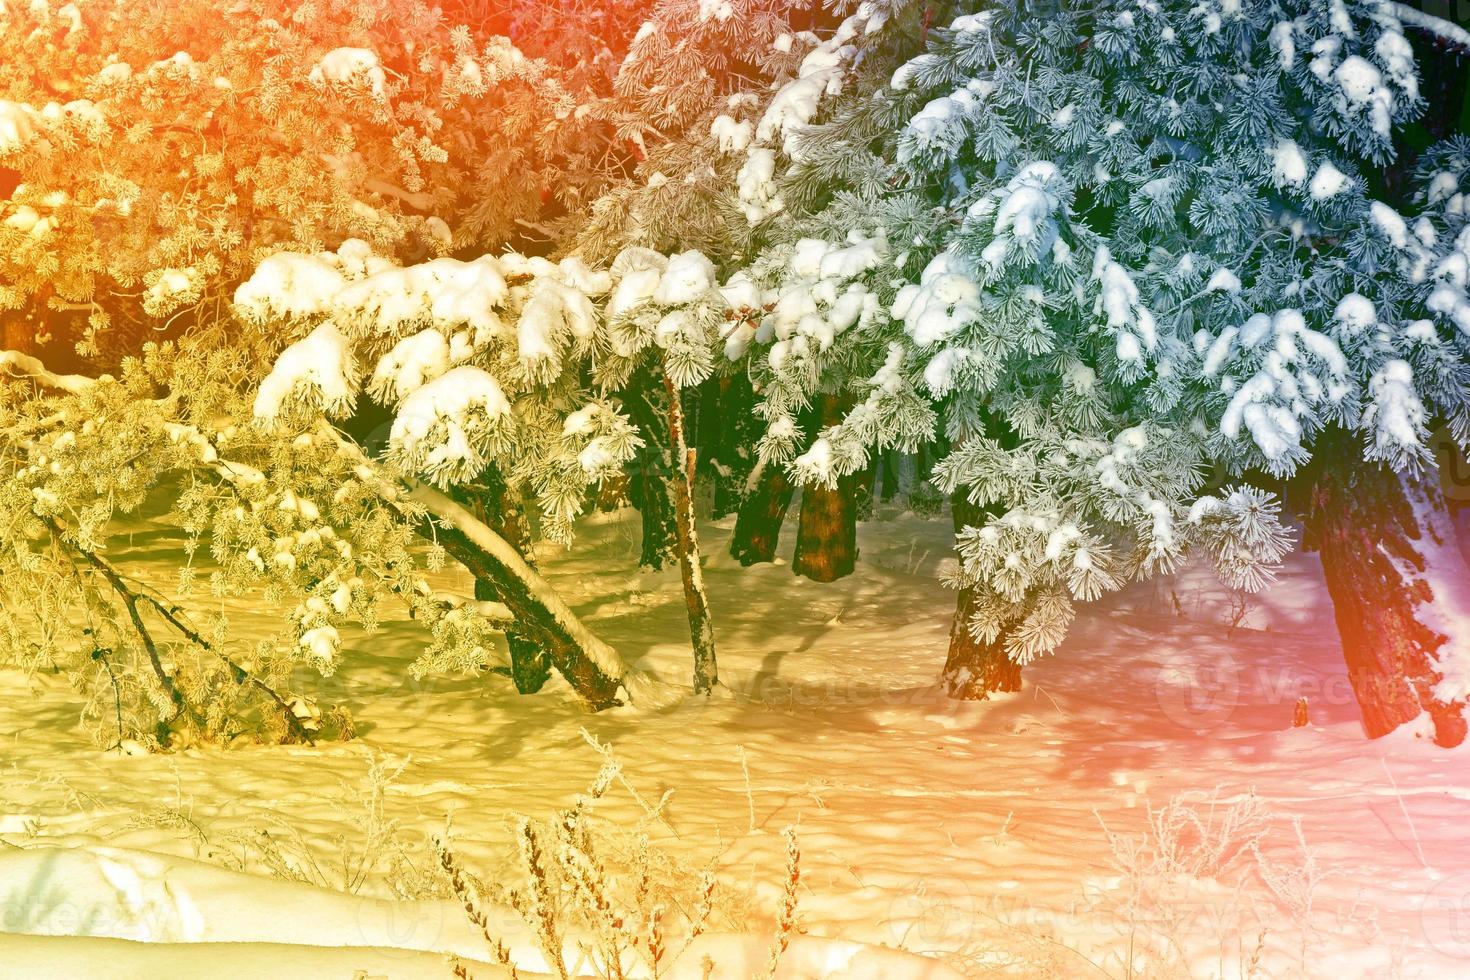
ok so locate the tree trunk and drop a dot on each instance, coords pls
(889, 477)
(1454, 483)
(589, 665)
(1400, 589)
(826, 539)
(593, 668)
(500, 508)
(612, 493)
(758, 525)
(974, 670)
(728, 453)
(696, 602)
(16, 332)
(649, 474)
(865, 498)
(660, 538)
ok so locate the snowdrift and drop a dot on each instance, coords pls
(104, 911)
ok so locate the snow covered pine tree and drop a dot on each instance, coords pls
(505, 363)
(683, 92)
(150, 158)
(1153, 252)
(755, 137)
(1038, 437)
(382, 121)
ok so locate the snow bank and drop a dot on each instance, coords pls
(112, 912)
(67, 958)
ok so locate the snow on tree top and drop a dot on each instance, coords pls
(318, 369)
(687, 277)
(1395, 415)
(444, 427)
(412, 362)
(344, 66)
(946, 298)
(445, 292)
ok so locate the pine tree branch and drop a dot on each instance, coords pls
(130, 601)
(17, 365)
(1450, 34)
(170, 614)
(497, 614)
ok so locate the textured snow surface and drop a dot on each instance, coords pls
(955, 830)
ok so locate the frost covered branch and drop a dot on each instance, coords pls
(132, 598)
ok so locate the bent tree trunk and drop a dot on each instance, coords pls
(588, 664)
(826, 539)
(499, 507)
(974, 670)
(593, 668)
(1400, 590)
(696, 602)
(762, 512)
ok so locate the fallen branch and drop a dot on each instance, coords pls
(170, 614)
(130, 602)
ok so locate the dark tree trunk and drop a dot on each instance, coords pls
(696, 602)
(728, 452)
(826, 539)
(758, 525)
(1454, 483)
(500, 507)
(16, 333)
(612, 493)
(1400, 587)
(974, 670)
(866, 494)
(660, 528)
(649, 474)
(888, 469)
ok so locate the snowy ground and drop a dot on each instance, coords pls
(973, 833)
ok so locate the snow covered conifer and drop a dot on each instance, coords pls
(513, 366)
(1118, 244)
(149, 157)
